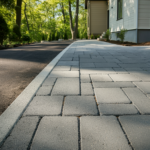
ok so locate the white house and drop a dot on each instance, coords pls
(133, 15)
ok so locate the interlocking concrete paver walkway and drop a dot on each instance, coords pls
(96, 97)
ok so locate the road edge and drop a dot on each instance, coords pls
(12, 114)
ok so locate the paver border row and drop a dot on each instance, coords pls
(12, 114)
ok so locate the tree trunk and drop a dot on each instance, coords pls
(73, 35)
(25, 8)
(76, 19)
(64, 17)
(75, 29)
(63, 12)
(71, 24)
(18, 13)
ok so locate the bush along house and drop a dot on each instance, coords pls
(132, 15)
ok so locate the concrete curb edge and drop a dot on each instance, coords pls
(12, 114)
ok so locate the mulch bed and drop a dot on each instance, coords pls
(129, 43)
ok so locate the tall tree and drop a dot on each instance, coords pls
(64, 17)
(25, 10)
(18, 13)
(74, 29)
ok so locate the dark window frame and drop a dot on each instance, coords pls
(118, 9)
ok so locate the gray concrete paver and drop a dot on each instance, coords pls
(66, 86)
(80, 105)
(86, 89)
(88, 60)
(106, 65)
(68, 63)
(66, 59)
(120, 70)
(85, 78)
(143, 75)
(140, 100)
(44, 90)
(102, 132)
(87, 65)
(49, 82)
(137, 129)
(124, 77)
(74, 68)
(56, 133)
(148, 95)
(63, 68)
(134, 65)
(21, 135)
(113, 84)
(64, 74)
(97, 71)
(117, 109)
(111, 96)
(144, 86)
(100, 78)
(45, 105)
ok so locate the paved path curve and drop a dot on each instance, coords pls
(96, 97)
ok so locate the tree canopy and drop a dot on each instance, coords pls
(46, 19)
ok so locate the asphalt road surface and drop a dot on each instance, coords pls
(19, 66)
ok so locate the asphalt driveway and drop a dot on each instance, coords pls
(19, 66)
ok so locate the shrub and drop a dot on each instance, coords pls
(56, 36)
(3, 29)
(26, 38)
(53, 36)
(43, 37)
(13, 37)
(16, 30)
(107, 34)
(92, 36)
(121, 34)
(49, 37)
(65, 36)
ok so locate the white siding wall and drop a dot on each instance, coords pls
(129, 20)
(144, 14)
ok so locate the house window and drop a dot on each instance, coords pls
(119, 10)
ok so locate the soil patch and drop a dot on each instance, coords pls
(129, 43)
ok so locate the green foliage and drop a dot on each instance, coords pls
(8, 3)
(43, 17)
(3, 29)
(26, 38)
(53, 36)
(43, 37)
(107, 34)
(86, 37)
(121, 34)
(49, 37)
(56, 36)
(92, 36)
(78, 35)
(16, 30)
(65, 36)
(13, 37)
